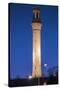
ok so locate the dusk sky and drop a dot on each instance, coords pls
(21, 38)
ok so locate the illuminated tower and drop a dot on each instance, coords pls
(36, 29)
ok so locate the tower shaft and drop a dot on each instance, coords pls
(36, 28)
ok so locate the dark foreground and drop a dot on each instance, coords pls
(33, 81)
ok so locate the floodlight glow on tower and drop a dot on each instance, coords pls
(36, 29)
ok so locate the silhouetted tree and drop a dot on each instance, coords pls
(53, 75)
(53, 71)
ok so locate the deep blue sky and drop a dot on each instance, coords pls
(21, 38)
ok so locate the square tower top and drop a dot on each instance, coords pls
(36, 15)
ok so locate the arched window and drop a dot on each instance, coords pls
(37, 15)
(33, 16)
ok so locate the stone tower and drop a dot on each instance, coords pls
(36, 29)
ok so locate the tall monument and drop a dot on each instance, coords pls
(36, 29)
